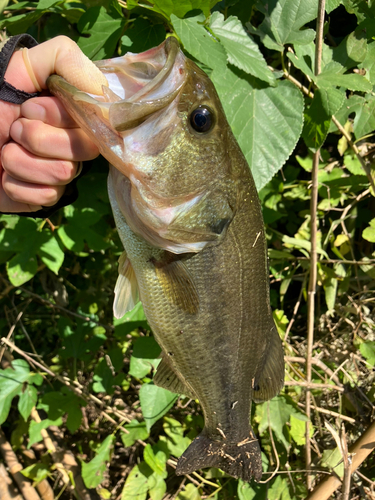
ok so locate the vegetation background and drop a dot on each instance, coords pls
(79, 413)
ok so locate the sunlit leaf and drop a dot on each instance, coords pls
(93, 471)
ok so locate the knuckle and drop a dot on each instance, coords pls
(65, 171)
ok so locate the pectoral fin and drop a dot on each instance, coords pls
(126, 289)
(167, 378)
(178, 284)
(269, 379)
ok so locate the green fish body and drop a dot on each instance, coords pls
(190, 220)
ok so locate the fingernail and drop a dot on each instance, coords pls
(33, 111)
(35, 208)
(16, 131)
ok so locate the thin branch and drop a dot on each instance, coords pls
(359, 451)
(313, 253)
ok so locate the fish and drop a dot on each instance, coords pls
(190, 220)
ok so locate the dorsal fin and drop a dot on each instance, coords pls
(178, 284)
(126, 289)
(167, 378)
(269, 379)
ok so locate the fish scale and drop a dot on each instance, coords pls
(189, 217)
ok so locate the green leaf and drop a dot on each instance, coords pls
(253, 114)
(241, 50)
(104, 379)
(93, 471)
(155, 402)
(329, 78)
(58, 403)
(35, 429)
(298, 430)
(332, 5)
(319, 115)
(369, 63)
(368, 351)
(250, 491)
(51, 254)
(283, 22)
(12, 381)
(199, 42)
(190, 492)
(103, 29)
(275, 414)
(145, 356)
(332, 459)
(143, 35)
(156, 459)
(279, 490)
(175, 440)
(27, 401)
(352, 50)
(36, 472)
(369, 233)
(181, 7)
(137, 430)
(22, 267)
(136, 484)
(157, 487)
(364, 108)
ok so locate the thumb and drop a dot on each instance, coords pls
(62, 56)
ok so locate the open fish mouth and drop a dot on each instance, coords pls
(142, 125)
(138, 85)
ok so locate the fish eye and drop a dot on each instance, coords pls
(202, 119)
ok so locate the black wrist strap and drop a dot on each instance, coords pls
(9, 93)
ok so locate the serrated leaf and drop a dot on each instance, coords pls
(58, 403)
(352, 50)
(369, 63)
(93, 471)
(199, 42)
(155, 402)
(283, 22)
(329, 79)
(137, 430)
(364, 108)
(103, 29)
(319, 115)
(253, 114)
(241, 50)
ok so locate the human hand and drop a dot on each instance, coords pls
(41, 145)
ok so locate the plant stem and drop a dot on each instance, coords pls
(313, 254)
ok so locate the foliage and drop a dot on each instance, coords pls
(58, 275)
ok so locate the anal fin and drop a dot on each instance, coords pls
(269, 379)
(178, 284)
(126, 289)
(167, 378)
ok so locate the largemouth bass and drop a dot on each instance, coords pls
(190, 220)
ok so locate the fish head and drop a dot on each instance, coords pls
(178, 173)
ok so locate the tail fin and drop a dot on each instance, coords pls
(240, 460)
